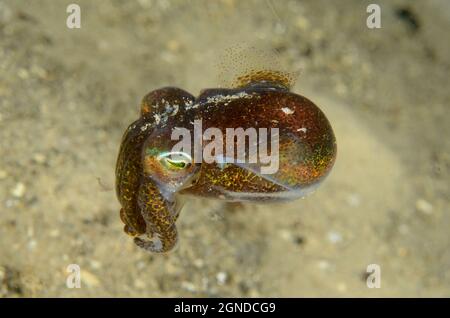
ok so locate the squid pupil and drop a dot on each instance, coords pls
(178, 164)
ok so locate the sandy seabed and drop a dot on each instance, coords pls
(67, 95)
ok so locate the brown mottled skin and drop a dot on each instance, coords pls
(148, 190)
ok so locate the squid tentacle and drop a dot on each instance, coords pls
(161, 232)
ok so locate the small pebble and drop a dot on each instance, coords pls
(168, 57)
(95, 264)
(253, 293)
(32, 245)
(141, 265)
(354, 200)
(89, 279)
(173, 45)
(334, 237)
(23, 73)
(38, 71)
(280, 28)
(285, 235)
(323, 265)
(221, 278)
(302, 23)
(424, 206)
(10, 203)
(19, 190)
(39, 158)
(188, 286)
(54, 233)
(199, 263)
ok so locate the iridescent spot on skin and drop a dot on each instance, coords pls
(150, 176)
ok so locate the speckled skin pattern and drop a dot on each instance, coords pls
(148, 189)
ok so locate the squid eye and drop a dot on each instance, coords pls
(174, 164)
(175, 161)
